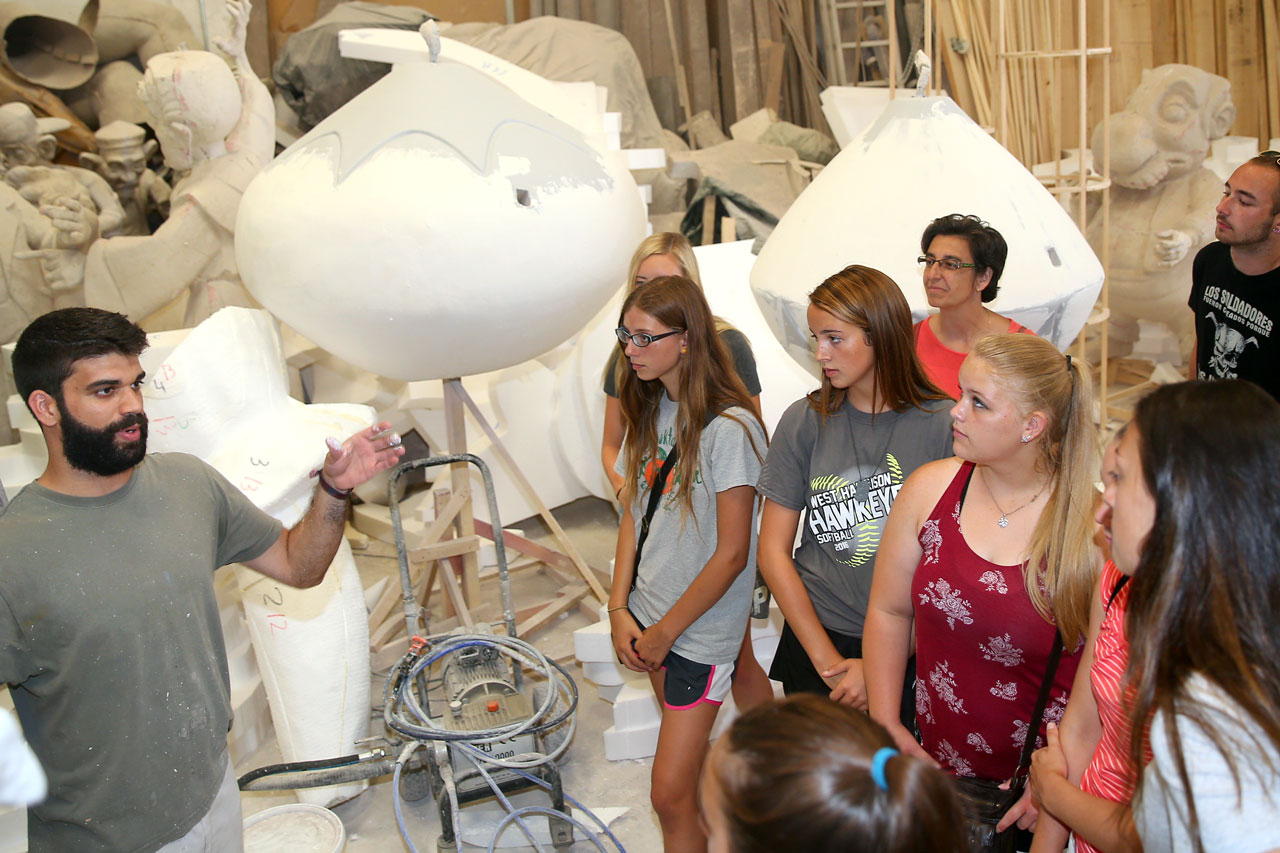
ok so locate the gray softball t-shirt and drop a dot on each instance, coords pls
(679, 546)
(844, 476)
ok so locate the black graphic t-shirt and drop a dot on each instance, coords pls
(844, 475)
(1235, 320)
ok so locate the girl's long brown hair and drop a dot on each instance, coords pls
(708, 385)
(874, 303)
(1206, 590)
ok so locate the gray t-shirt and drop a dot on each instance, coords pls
(744, 363)
(679, 547)
(845, 475)
(1231, 820)
(111, 640)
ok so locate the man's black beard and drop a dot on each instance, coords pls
(96, 451)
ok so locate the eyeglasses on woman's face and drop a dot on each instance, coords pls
(948, 264)
(641, 339)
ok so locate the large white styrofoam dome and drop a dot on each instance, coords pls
(438, 225)
(921, 159)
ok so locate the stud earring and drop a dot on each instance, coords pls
(1026, 439)
(683, 350)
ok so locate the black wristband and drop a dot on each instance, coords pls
(340, 494)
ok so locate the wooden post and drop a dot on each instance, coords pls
(460, 478)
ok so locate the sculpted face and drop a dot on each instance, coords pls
(1167, 125)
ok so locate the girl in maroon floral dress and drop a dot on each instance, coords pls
(987, 556)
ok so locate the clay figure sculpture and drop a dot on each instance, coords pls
(35, 246)
(1162, 197)
(123, 152)
(217, 126)
(434, 208)
(29, 146)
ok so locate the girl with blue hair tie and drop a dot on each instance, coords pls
(809, 774)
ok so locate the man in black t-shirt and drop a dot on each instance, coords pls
(1235, 282)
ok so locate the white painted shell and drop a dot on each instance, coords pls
(438, 225)
(921, 159)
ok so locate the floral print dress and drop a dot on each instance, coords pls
(981, 650)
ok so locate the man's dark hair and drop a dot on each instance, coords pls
(985, 243)
(49, 347)
(1270, 160)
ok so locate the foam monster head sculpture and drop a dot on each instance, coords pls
(924, 158)
(438, 225)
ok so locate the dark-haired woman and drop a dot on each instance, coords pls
(961, 262)
(1195, 510)
(808, 774)
(840, 455)
(695, 445)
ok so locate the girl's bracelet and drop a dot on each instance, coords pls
(611, 609)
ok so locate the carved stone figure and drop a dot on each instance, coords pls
(123, 152)
(1162, 196)
(34, 251)
(217, 127)
(29, 146)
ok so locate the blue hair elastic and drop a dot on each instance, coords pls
(878, 761)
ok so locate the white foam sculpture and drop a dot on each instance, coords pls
(438, 225)
(921, 159)
(220, 392)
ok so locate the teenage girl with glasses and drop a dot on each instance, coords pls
(669, 253)
(679, 610)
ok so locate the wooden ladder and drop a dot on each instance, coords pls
(865, 32)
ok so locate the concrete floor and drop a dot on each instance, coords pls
(587, 776)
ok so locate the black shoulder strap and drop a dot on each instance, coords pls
(655, 497)
(1042, 701)
(1124, 579)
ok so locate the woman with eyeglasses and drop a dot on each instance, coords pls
(668, 253)
(680, 599)
(962, 262)
(839, 456)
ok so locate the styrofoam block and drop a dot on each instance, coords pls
(594, 643)
(635, 707)
(489, 552)
(621, 745)
(603, 673)
(609, 692)
(612, 122)
(251, 727)
(19, 415)
(646, 193)
(849, 109)
(614, 141)
(13, 830)
(646, 158)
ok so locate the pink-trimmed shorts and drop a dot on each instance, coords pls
(688, 683)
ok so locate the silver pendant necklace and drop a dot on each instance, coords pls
(1003, 520)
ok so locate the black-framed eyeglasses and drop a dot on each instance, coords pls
(641, 339)
(949, 264)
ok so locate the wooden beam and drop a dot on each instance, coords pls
(697, 58)
(559, 566)
(446, 548)
(744, 65)
(568, 597)
(460, 478)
